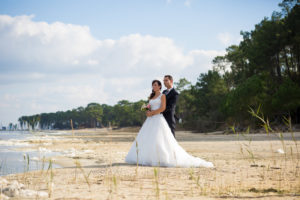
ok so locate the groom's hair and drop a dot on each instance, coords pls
(169, 77)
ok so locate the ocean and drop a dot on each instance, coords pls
(14, 160)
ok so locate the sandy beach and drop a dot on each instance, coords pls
(246, 167)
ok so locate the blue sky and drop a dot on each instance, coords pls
(58, 55)
(193, 26)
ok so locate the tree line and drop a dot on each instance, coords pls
(262, 71)
(124, 113)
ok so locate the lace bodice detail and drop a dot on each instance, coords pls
(155, 103)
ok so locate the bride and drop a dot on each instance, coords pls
(155, 144)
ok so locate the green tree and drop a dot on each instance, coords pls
(94, 112)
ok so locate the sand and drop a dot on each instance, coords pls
(93, 168)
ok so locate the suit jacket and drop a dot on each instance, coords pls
(169, 112)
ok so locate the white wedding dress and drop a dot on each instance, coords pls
(155, 145)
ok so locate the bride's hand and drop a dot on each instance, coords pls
(148, 114)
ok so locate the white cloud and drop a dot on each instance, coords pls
(228, 39)
(92, 62)
(201, 63)
(48, 67)
(39, 42)
(187, 3)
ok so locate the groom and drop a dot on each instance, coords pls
(171, 97)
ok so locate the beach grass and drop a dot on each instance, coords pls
(247, 166)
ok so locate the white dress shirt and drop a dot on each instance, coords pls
(168, 90)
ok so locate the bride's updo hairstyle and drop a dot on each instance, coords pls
(153, 93)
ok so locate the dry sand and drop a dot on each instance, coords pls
(94, 168)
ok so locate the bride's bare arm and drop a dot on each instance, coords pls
(162, 106)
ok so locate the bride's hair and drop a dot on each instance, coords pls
(153, 93)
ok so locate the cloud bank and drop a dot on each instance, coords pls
(228, 39)
(49, 67)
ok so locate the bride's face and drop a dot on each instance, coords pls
(155, 87)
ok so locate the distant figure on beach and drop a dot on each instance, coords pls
(155, 144)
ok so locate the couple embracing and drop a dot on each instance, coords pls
(155, 144)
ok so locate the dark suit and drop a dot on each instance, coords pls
(169, 112)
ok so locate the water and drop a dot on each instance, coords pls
(12, 160)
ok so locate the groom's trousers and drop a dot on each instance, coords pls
(171, 122)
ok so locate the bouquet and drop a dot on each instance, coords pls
(145, 107)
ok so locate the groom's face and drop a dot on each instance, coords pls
(167, 82)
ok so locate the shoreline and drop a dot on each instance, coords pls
(103, 135)
(93, 161)
(135, 129)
